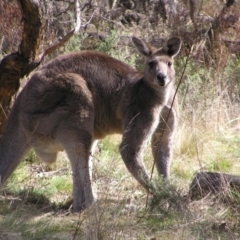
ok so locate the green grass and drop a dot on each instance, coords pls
(32, 206)
(34, 203)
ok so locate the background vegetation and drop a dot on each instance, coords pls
(35, 202)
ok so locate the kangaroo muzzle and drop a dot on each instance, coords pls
(162, 79)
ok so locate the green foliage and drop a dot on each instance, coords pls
(109, 145)
(109, 43)
(232, 76)
(222, 165)
(49, 187)
(166, 205)
(18, 177)
(74, 43)
(61, 183)
(120, 212)
(31, 157)
(204, 88)
(108, 160)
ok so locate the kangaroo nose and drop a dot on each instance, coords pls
(161, 79)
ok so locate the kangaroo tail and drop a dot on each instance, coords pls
(13, 145)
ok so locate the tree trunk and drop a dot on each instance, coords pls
(15, 66)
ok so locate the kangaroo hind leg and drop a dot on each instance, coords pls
(78, 153)
(75, 135)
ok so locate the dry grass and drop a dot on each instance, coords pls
(31, 209)
(35, 202)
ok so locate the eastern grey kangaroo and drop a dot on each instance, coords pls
(80, 97)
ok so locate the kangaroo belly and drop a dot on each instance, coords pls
(105, 127)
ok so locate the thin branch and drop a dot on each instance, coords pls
(4, 115)
(78, 13)
(60, 42)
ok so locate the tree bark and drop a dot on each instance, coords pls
(15, 66)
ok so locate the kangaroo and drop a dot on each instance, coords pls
(78, 98)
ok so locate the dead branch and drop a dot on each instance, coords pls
(60, 42)
(205, 183)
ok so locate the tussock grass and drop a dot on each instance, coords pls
(35, 202)
(32, 204)
(123, 209)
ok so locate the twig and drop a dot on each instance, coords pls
(85, 25)
(77, 227)
(48, 174)
(10, 198)
(3, 111)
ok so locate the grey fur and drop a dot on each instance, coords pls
(80, 97)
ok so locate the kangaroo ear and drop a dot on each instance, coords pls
(172, 46)
(142, 47)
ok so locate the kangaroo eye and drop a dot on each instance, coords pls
(169, 64)
(151, 64)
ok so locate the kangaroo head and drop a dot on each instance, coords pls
(159, 67)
